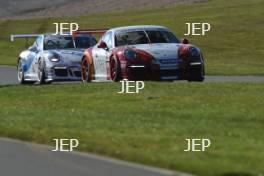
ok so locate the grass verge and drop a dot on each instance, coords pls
(150, 127)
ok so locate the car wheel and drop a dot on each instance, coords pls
(197, 74)
(20, 73)
(85, 71)
(115, 69)
(41, 72)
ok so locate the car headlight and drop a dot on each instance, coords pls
(54, 59)
(130, 54)
(194, 52)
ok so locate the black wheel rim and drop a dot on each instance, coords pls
(113, 69)
(85, 71)
(40, 71)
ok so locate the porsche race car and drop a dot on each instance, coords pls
(144, 52)
(52, 57)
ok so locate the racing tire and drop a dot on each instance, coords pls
(20, 74)
(85, 71)
(41, 72)
(115, 69)
(197, 75)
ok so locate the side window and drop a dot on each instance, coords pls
(107, 38)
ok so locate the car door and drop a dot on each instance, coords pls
(101, 56)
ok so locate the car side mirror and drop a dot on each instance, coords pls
(185, 41)
(102, 45)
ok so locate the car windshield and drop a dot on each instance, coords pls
(145, 37)
(156, 36)
(66, 42)
(58, 42)
(85, 41)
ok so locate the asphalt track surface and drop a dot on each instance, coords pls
(8, 76)
(19, 158)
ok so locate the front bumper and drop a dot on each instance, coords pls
(157, 72)
(63, 73)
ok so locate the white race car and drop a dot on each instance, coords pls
(52, 57)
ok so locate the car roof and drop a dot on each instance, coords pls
(138, 27)
(68, 34)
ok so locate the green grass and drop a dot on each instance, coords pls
(150, 127)
(234, 46)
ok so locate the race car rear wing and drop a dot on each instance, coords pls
(89, 31)
(14, 36)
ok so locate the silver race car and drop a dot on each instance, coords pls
(52, 57)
